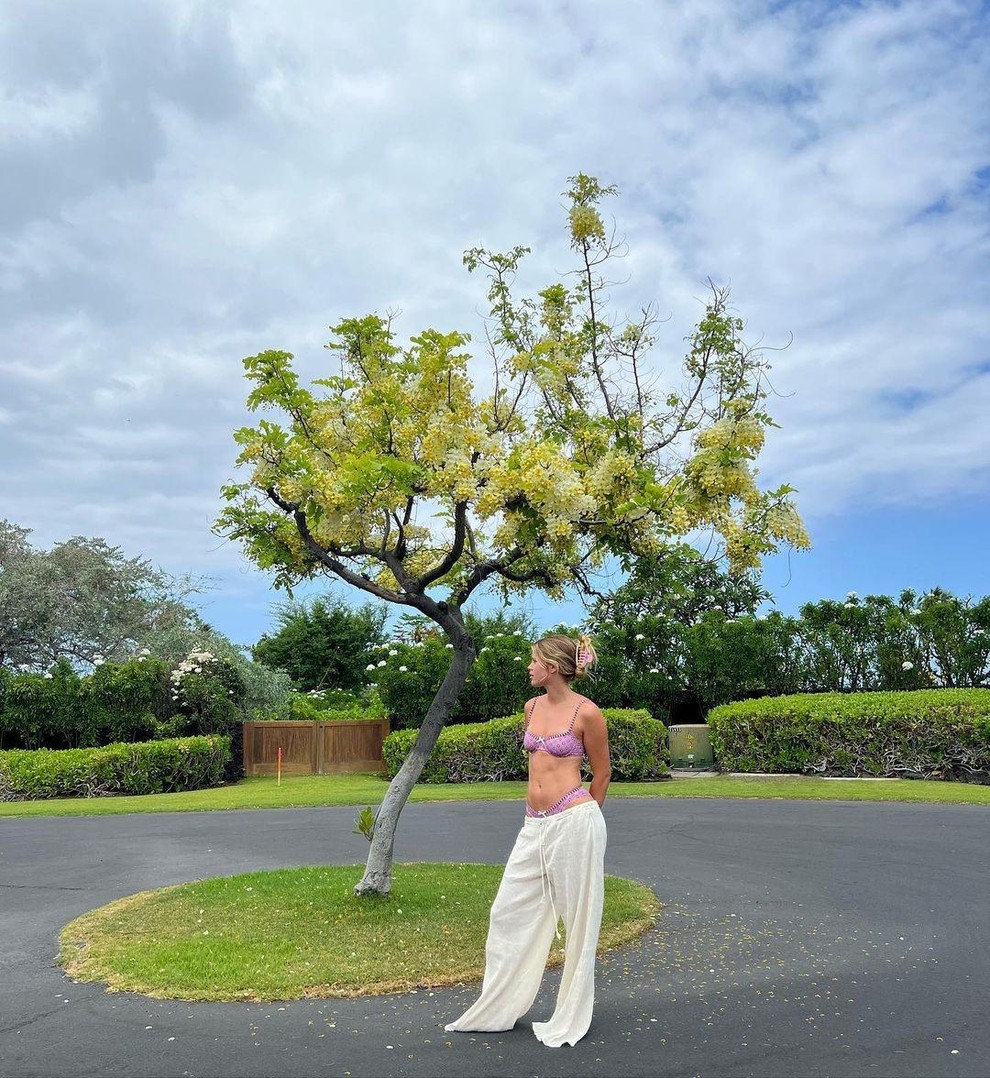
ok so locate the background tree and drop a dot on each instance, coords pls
(23, 614)
(83, 600)
(391, 475)
(951, 644)
(730, 659)
(642, 628)
(322, 643)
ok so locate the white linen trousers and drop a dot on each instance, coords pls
(556, 868)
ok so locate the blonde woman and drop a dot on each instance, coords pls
(556, 868)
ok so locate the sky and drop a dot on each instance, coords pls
(186, 183)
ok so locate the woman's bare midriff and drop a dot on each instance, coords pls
(550, 777)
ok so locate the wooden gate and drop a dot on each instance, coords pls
(314, 748)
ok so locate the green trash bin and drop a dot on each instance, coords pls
(690, 747)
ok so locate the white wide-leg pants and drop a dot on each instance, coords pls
(556, 868)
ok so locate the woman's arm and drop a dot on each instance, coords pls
(595, 734)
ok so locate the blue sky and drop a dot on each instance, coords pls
(185, 183)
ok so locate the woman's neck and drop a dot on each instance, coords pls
(557, 690)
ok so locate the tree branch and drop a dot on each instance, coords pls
(453, 556)
(339, 569)
(595, 365)
(329, 561)
(500, 567)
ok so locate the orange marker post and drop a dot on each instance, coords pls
(279, 783)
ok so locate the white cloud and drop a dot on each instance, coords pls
(195, 185)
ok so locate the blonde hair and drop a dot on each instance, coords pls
(571, 657)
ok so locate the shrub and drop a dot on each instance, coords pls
(321, 642)
(471, 752)
(58, 709)
(6, 680)
(209, 691)
(334, 704)
(637, 744)
(123, 702)
(729, 659)
(492, 751)
(39, 710)
(407, 676)
(932, 734)
(150, 767)
(498, 683)
(265, 690)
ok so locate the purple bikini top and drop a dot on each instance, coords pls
(566, 743)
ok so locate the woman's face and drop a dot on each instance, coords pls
(540, 673)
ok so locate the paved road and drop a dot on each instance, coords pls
(798, 938)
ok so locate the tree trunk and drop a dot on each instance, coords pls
(377, 879)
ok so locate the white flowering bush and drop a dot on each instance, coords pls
(324, 705)
(207, 691)
(410, 672)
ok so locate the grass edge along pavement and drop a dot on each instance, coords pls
(318, 791)
(211, 940)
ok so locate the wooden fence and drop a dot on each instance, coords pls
(314, 748)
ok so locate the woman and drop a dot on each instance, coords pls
(556, 868)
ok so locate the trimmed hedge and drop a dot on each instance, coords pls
(930, 734)
(151, 767)
(338, 708)
(493, 751)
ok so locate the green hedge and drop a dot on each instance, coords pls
(493, 752)
(931, 734)
(341, 707)
(152, 767)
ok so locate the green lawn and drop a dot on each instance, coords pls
(315, 791)
(302, 932)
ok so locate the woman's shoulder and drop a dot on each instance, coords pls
(588, 708)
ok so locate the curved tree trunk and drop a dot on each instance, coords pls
(377, 879)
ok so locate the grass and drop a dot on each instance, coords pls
(312, 791)
(302, 932)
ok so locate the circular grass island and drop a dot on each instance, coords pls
(303, 933)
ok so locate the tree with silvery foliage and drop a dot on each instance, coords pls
(83, 601)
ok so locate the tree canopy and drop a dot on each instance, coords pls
(321, 643)
(82, 600)
(395, 477)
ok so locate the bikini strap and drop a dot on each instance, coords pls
(580, 703)
(528, 708)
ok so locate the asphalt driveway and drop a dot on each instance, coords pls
(797, 938)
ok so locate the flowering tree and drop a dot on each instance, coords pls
(393, 475)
